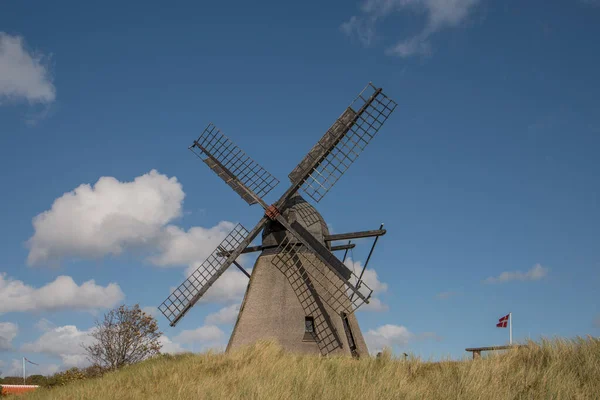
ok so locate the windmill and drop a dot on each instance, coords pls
(299, 292)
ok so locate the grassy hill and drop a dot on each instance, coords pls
(556, 369)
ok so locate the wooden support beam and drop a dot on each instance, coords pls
(355, 235)
(327, 238)
(252, 249)
(241, 269)
(343, 247)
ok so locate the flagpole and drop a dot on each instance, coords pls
(23, 370)
(510, 328)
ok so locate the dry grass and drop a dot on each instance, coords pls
(552, 369)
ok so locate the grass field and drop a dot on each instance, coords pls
(552, 369)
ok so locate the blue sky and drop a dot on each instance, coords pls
(487, 169)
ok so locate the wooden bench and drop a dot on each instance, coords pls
(477, 350)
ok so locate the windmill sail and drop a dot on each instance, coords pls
(331, 289)
(244, 175)
(183, 298)
(341, 145)
(329, 271)
(324, 331)
(295, 262)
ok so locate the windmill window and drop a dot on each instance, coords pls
(349, 334)
(310, 334)
(309, 325)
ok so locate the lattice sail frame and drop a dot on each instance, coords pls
(330, 288)
(343, 142)
(315, 175)
(233, 165)
(186, 294)
(324, 333)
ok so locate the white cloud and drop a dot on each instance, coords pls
(387, 336)
(44, 369)
(408, 47)
(224, 316)
(45, 325)
(371, 278)
(208, 336)
(62, 293)
(364, 28)
(151, 310)
(23, 75)
(112, 217)
(203, 334)
(372, 281)
(374, 305)
(8, 331)
(537, 272)
(178, 247)
(94, 221)
(440, 14)
(169, 347)
(229, 288)
(65, 342)
(16, 369)
(393, 335)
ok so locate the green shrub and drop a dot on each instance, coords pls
(63, 378)
(72, 375)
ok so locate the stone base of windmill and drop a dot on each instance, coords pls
(272, 309)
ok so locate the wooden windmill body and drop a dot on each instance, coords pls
(299, 293)
(280, 306)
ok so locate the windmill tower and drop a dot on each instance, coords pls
(299, 293)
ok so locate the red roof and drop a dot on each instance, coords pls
(16, 389)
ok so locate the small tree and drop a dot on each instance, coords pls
(125, 336)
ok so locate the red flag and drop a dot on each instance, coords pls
(30, 362)
(503, 322)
